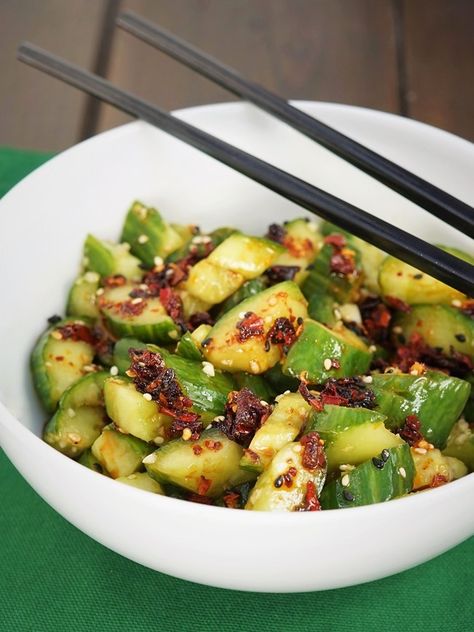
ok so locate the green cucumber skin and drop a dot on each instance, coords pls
(336, 419)
(208, 393)
(162, 239)
(188, 348)
(42, 381)
(256, 384)
(248, 289)
(85, 393)
(369, 484)
(439, 325)
(186, 467)
(108, 259)
(435, 398)
(159, 333)
(121, 356)
(314, 346)
(321, 308)
(278, 381)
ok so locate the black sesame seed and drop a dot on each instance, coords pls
(52, 320)
(299, 320)
(384, 455)
(206, 341)
(267, 346)
(460, 337)
(310, 266)
(348, 495)
(278, 482)
(418, 276)
(378, 463)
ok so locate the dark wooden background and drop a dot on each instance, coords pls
(412, 57)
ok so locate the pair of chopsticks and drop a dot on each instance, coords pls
(428, 258)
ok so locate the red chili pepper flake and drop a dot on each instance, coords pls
(76, 332)
(203, 485)
(202, 500)
(152, 376)
(398, 304)
(231, 500)
(59, 358)
(438, 480)
(104, 343)
(342, 261)
(276, 274)
(347, 391)
(376, 318)
(298, 247)
(250, 326)
(281, 332)
(313, 451)
(197, 449)
(311, 398)
(276, 232)
(336, 239)
(311, 500)
(129, 308)
(173, 305)
(213, 445)
(467, 308)
(244, 413)
(410, 431)
(200, 318)
(416, 350)
(116, 280)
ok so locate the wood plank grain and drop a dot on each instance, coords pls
(37, 111)
(439, 61)
(330, 50)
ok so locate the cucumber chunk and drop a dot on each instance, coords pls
(248, 289)
(434, 469)
(142, 318)
(141, 480)
(321, 353)
(282, 426)
(207, 466)
(88, 460)
(119, 454)
(256, 384)
(224, 348)
(403, 281)
(148, 234)
(435, 398)
(80, 417)
(188, 348)
(369, 483)
(439, 326)
(235, 260)
(108, 259)
(302, 241)
(460, 444)
(272, 492)
(132, 413)
(58, 361)
(200, 244)
(82, 298)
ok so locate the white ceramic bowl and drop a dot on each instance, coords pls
(43, 222)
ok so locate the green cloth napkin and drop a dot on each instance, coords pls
(53, 577)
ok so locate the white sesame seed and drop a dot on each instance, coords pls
(208, 427)
(402, 471)
(345, 480)
(272, 301)
(157, 261)
(89, 368)
(142, 239)
(397, 329)
(227, 362)
(71, 412)
(286, 392)
(456, 303)
(372, 349)
(337, 314)
(100, 291)
(132, 477)
(151, 458)
(114, 370)
(208, 369)
(254, 366)
(136, 301)
(242, 314)
(298, 448)
(173, 334)
(327, 364)
(147, 396)
(346, 467)
(74, 437)
(263, 402)
(57, 335)
(420, 450)
(158, 440)
(187, 434)
(367, 379)
(143, 286)
(91, 277)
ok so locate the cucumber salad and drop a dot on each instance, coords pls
(303, 370)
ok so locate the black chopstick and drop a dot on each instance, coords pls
(433, 199)
(415, 251)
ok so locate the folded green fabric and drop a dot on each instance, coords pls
(53, 577)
